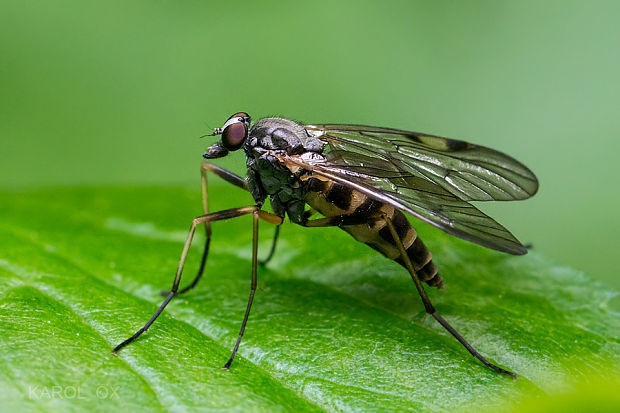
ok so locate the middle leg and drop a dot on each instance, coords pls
(235, 180)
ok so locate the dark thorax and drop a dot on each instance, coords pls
(266, 176)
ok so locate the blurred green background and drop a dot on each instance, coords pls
(118, 92)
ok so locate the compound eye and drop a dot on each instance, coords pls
(234, 136)
(239, 115)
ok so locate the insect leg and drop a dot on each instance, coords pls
(308, 214)
(429, 306)
(236, 180)
(207, 218)
(252, 289)
(273, 247)
(273, 219)
(229, 177)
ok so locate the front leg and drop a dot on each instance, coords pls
(207, 219)
(233, 179)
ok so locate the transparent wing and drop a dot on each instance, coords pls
(430, 177)
(468, 171)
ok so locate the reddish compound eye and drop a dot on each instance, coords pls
(234, 136)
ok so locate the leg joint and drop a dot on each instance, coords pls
(268, 217)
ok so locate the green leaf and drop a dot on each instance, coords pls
(335, 326)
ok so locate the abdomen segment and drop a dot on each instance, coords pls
(336, 200)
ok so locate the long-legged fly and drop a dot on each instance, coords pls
(363, 179)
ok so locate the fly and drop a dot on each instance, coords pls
(362, 179)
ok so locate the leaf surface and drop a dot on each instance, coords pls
(335, 326)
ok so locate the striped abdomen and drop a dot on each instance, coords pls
(333, 199)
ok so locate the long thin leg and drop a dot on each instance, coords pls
(216, 216)
(276, 234)
(229, 177)
(429, 306)
(225, 174)
(252, 289)
(236, 180)
(273, 247)
(201, 269)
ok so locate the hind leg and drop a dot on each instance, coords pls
(429, 306)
